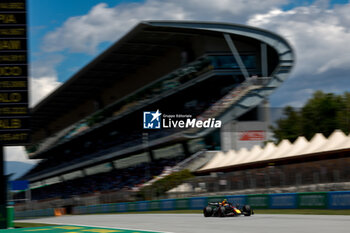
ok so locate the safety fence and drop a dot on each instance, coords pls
(312, 200)
(34, 213)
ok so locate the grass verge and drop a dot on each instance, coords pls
(27, 224)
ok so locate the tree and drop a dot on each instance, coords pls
(323, 113)
(288, 127)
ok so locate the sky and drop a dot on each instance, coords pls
(65, 35)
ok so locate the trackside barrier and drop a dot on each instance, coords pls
(122, 207)
(312, 200)
(315, 200)
(258, 201)
(143, 206)
(198, 203)
(132, 206)
(154, 205)
(237, 199)
(339, 200)
(283, 201)
(182, 204)
(34, 213)
(168, 204)
(10, 216)
(216, 198)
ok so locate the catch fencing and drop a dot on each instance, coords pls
(311, 200)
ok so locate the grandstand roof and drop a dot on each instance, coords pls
(144, 42)
(336, 142)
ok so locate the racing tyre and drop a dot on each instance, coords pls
(208, 211)
(222, 211)
(247, 211)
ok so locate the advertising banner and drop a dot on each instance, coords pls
(216, 199)
(182, 204)
(143, 206)
(258, 201)
(168, 204)
(154, 205)
(339, 200)
(312, 200)
(122, 207)
(283, 201)
(237, 199)
(198, 203)
(132, 206)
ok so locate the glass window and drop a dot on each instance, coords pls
(196, 145)
(168, 152)
(106, 167)
(131, 161)
(53, 180)
(229, 62)
(73, 175)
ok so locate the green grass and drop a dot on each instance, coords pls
(25, 225)
(165, 212)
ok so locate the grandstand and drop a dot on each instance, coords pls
(89, 132)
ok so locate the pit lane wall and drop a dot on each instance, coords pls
(311, 200)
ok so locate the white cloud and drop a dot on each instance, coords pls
(319, 35)
(41, 87)
(17, 153)
(102, 23)
(43, 78)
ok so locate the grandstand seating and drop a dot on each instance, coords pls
(117, 179)
(139, 99)
(127, 136)
(217, 108)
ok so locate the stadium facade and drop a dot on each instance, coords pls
(91, 130)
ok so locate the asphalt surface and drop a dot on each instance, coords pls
(191, 223)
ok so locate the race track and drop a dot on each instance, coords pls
(190, 223)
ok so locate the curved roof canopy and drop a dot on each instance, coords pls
(146, 41)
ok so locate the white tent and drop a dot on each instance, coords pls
(255, 151)
(298, 147)
(283, 148)
(337, 141)
(316, 143)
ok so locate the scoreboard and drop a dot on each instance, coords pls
(14, 115)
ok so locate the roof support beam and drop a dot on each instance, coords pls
(263, 49)
(236, 55)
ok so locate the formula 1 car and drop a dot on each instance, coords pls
(216, 209)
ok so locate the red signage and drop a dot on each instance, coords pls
(252, 135)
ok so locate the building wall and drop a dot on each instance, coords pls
(247, 132)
